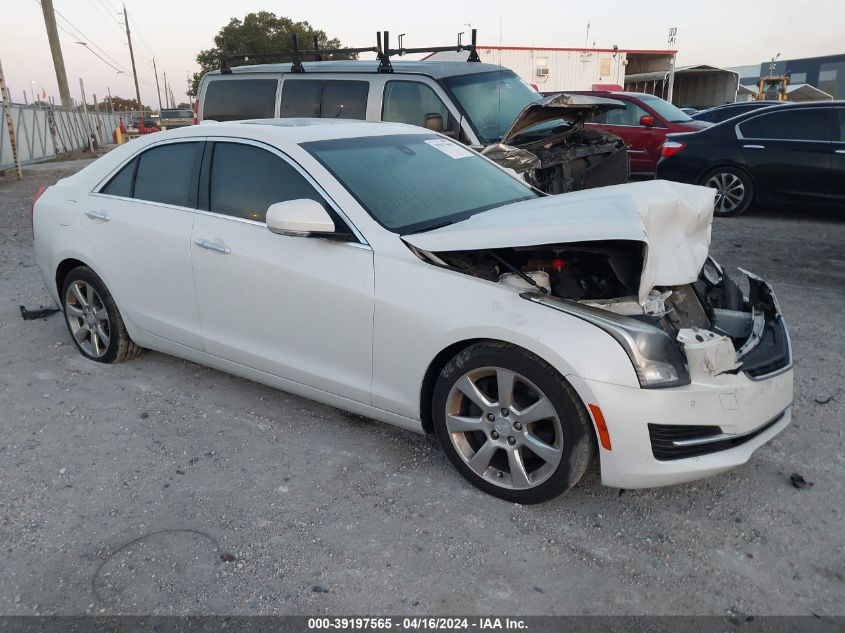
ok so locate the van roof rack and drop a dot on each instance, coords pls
(383, 53)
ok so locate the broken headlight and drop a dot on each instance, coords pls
(654, 355)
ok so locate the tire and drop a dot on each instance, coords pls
(735, 190)
(496, 454)
(93, 320)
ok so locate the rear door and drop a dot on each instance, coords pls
(139, 227)
(789, 152)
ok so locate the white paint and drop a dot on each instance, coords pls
(356, 325)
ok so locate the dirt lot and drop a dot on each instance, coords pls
(159, 486)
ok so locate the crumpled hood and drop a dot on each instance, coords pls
(569, 107)
(672, 219)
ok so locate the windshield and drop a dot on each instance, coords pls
(666, 109)
(177, 114)
(415, 182)
(491, 100)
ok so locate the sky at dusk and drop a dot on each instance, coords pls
(719, 33)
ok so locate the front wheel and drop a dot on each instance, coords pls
(734, 190)
(510, 424)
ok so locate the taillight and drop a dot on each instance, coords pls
(670, 148)
(37, 195)
(196, 110)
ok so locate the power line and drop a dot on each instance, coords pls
(82, 36)
(109, 22)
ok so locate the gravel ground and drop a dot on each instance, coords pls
(159, 486)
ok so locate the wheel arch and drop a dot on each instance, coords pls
(443, 357)
(699, 179)
(63, 269)
(430, 377)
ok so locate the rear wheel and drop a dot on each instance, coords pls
(93, 319)
(511, 424)
(734, 190)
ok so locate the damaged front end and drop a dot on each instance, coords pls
(566, 157)
(678, 334)
(633, 260)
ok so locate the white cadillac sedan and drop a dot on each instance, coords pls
(389, 271)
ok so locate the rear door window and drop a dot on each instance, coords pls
(121, 182)
(167, 174)
(238, 99)
(246, 180)
(324, 98)
(805, 124)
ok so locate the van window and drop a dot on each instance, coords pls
(327, 99)
(301, 98)
(237, 99)
(166, 174)
(415, 103)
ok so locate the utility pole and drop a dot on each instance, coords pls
(132, 57)
(56, 50)
(672, 33)
(158, 90)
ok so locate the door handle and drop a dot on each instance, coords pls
(98, 215)
(754, 147)
(840, 151)
(217, 247)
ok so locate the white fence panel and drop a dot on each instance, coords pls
(44, 133)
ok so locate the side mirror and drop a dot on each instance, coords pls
(299, 218)
(647, 120)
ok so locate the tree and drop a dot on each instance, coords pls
(118, 103)
(262, 32)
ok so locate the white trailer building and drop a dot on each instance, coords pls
(555, 69)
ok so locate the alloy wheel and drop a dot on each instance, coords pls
(504, 428)
(730, 191)
(88, 318)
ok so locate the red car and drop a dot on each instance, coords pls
(643, 124)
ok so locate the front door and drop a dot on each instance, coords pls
(300, 308)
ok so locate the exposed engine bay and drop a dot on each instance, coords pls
(713, 324)
(567, 157)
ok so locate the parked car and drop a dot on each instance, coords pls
(793, 155)
(730, 110)
(391, 271)
(145, 125)
(690, 111)
(643, 124)
(482, 105)
(171, 119)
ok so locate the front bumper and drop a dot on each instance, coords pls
(666, 436)
(736, 404)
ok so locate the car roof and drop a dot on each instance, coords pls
(434, 69)
(293, 130)
(617, 93)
